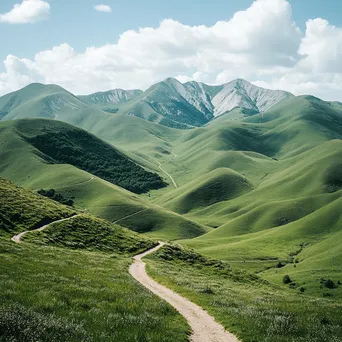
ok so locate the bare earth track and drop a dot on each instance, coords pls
(204, 327)
(17, 238)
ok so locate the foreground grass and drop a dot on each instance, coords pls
(54, 294)
(247, 305)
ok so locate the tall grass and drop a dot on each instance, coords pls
(248, 306)
(54, 294)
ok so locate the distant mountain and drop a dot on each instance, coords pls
(182, 105)
(169, 103)
(50, 102)
(112, 97)
(250, 98)
(175, 104)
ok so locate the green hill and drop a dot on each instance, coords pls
(22, 163)
(22, 209)
(64, 144)
(216, 186)
(55, 280)
(48, 101)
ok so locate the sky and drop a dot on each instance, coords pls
(95, 45)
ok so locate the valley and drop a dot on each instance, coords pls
(244, 185)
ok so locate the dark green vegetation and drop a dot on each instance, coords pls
(248, 306)
(68, 145)
(51, 193)
(81, 292)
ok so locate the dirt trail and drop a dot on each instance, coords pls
(204, 327)
(17, 238)
(128, 216)
(161, 168)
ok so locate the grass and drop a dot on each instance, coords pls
(70, 282)
(217, 186)
(60, 143)
(91, 233)
(247, 305)
(257, 192)
(22, 209)
(55, 294)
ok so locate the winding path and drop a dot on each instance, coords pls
(160, 166)
(17, 238)
(204, 327)
(128, 216)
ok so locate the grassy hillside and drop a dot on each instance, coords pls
(80, 291)
(22, 209)
(216, 186)
(55, 294)
(28, 167)
(51, 102)
(91, 233)
(247, 305)
(64, 144)
(270, 221)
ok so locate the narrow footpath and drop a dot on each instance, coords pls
(17, 238)
(204, 327)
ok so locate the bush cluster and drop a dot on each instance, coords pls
(86, 152)
(51, 193)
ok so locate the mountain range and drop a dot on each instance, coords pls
(169, 103)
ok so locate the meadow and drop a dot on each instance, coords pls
(246, 304)
(58, 294)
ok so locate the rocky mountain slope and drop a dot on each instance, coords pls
(169, 103)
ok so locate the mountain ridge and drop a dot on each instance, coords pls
(169, 103)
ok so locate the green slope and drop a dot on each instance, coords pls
(216, 186)
(80, 291)
(48, 101)
(22, 210)
(26, 166)
(65, 144)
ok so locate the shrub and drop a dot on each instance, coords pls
(208, 290)
(280, 264)
(287, 279)
(51, 193)
(329, 284)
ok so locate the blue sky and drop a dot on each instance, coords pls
(77, 23)
(278, 44)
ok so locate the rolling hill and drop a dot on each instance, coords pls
(216, 186)
(253, 175)
(27, 166)
(54, 280)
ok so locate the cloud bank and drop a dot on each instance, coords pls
(28, 12)
(261, 44)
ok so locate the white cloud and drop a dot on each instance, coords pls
(29, 11)
(261, 44)
(103, 8)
